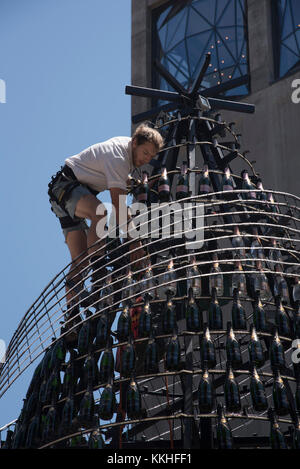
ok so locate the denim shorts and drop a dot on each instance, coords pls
(68, 220)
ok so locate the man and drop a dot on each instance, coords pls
(73, 191)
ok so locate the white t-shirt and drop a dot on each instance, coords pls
(104, 165)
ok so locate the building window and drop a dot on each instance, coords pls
(183, 32)
(286, 36)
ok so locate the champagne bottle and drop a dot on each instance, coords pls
(227, 182)
(9, 440)
(215, 316)
(124, 324)
(145, 320)
(90, 369)
(103, 330)
(173, 353)
(133, 400)
(205, 392)
(85, 336)
(260, 283)
(296, 290)
(277, 439)
(274, 256)
(297, 394)
(277, 357)
(261, 195)
(296, 434)
(280, 397)
(33, 438)
(192, 314)
(182, 188)
(207, 349)
(168, 278)
(216, 279)
(257, 391)
(70, 375)
(281, 319)
(54, 385)
(238, 243)
(87, 407)
(256, 249)
(107, 292)
(259, 315)
(129, 289)
(168, 316)
(256, 355)
(247, 184)
(296, 321)
(164, 186)
(193, 277)
(143, 190)
(127, 359)
(107, 405)
(238, 280)
(95, 440)
(68, 413)
(106, 368)
(204, 182)
(46, 363)
(231, 391)
(58, 354)
(20, 436)
(233, 350)
(147, 284)
(238, 313)
(151, 356)
(280, 286)
(272, 207)
(224, 435)
(51, 422)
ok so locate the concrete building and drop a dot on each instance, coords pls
(257, 41)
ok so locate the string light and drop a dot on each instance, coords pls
(226, 38)
(229, 76)
(222, 61)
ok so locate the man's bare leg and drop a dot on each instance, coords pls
(77, 244)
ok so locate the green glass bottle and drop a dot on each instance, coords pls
(151, 357)
(133, 400)
(277, 439)
(86, 415)
(96, 440)
(103, 330)
(259, 315)
(51, 422)
(107, 404)
(71, 374)
(33, 433)
(281, 319)
(164, 186)
(58, 353)
(280, 397)
(192, 314)
(215, 316)
(257, 391)
(143, 190)
(35, 380)
(124, 324)
(207, 349)
(204, 182)
(9, 440)
(224, 435)
(168, 315)
(277, 357)
(54, 385)
(85, 336)
(296, 321)
(206, 396)
(127, 359)
(107, 364)
(90, 369)
(256, 355)
(145, 320)
(233, 350)
(182, 188)
(173, 353)
(68, 413)
(231, 391)
(296, 434)
(238, 313)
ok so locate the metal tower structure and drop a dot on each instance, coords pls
(195, 349)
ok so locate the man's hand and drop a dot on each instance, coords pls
(136, 256)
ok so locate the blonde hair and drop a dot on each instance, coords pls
(143, 133)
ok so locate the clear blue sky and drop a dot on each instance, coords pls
(65, 64)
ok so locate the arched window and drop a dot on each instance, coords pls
(183, 32)
(286, 36)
